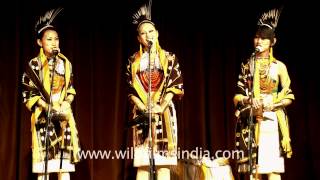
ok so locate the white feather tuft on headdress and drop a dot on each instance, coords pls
(46, 20)
(143, 14)
(270, 18)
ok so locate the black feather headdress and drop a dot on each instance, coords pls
(270, 18)
(143, 15)
(46, 20)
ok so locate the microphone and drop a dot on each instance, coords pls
(149, 43)
(258, 49)
(55, 52)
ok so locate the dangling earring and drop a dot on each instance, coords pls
(140, 50)
(271, 55)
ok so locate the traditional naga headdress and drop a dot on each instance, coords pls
(143, 15)
(270, 18)
(46, 20)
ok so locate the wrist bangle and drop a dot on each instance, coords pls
(68, 101)
(69, 104)
(278, 105)
(41, 103)
(281, 104)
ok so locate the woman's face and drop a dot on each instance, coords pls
(263, 44)
(147, 32)
(49, 42)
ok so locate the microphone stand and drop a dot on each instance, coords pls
(152, 169)
(62, 147)
(250, 119)
(49, 116)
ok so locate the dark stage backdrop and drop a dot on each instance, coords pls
(210, 38)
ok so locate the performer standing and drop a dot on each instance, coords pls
(264, 88)
(48, 93)
(161, 68)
